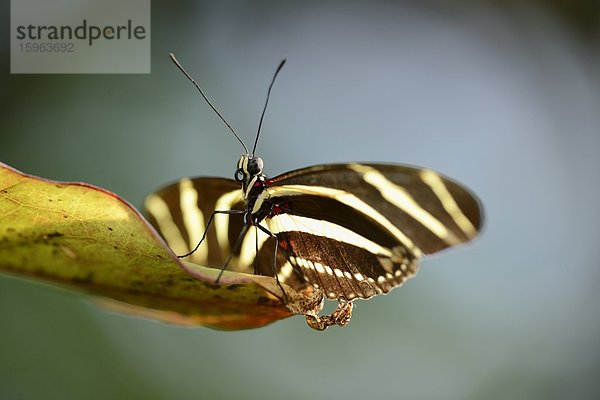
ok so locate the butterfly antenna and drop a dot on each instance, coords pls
(266, 103)
(176, 62)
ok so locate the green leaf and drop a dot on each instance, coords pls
(86, 238)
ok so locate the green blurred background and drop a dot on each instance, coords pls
(501, 95)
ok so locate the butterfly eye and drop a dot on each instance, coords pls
(239, 175)
(255, 166)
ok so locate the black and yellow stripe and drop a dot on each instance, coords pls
(351, 230)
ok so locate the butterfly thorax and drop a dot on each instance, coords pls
(249, 174)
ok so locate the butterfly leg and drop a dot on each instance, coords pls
(237, 244)
(255, 269)
(210, 220)
(268, 232)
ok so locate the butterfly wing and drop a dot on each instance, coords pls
(181, 211)
(353, 230)
(356, 230)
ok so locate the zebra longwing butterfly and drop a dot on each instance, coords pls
(350, 230)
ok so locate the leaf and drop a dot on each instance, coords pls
(87, 238)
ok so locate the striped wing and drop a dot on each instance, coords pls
(180, 212)
(356, 230)
(353, 230)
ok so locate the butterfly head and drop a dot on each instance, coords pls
(249, 171)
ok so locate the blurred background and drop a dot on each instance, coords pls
(504, 96)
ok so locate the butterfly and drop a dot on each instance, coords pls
(351, 230)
